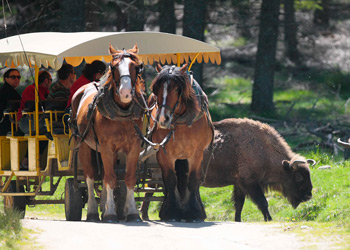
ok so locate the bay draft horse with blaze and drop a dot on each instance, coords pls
(185, 115)
(105, 117)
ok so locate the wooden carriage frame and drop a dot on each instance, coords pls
(49, 49)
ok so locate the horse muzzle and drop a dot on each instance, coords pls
(165, 119)
(125, 89)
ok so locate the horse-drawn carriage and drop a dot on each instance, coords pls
(21, 187)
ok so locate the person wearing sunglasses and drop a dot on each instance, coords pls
(8, 92)
(28, 96)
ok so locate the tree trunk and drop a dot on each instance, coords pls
(92, 8)
(72, 15)
(244, 14)
(193, 26)
(262, 99)
(290, 32)
(136, 17)
(321, 16)
(167, 20)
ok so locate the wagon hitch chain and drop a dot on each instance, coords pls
(153, 147)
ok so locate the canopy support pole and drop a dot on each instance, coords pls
(36, 100)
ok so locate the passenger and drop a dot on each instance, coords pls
(61, 89)
(8, 92)
(91, 72)
(28, 94)
(60, 92)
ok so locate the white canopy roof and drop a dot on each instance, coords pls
(51, 48)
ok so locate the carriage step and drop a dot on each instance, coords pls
(149, 198)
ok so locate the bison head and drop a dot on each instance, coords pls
(297, 186)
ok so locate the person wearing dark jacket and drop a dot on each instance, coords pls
(8, 93)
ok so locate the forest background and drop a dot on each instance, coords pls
(284, 62)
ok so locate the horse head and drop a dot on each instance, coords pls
(125, 68)
(174, 94)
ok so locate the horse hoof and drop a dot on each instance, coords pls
(145, 218)
(110, 218)
(194, 220)
(92, 217)
(171, 220)
(133, 218)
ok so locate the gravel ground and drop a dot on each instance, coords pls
(159, 235)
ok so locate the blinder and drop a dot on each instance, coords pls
(164, 105)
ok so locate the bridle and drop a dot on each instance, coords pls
(139, 70)
(164, 105)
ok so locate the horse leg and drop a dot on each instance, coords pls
(145, 206)
(181, 169)
(238, 198)
(171, 206)
(84, 155)
(193, 207)
(130, 210)
(109, 181)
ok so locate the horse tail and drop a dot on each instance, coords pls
(181, 169)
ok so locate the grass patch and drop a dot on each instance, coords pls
(10, 230)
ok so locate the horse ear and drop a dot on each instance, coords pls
(113, 50)
(135, 49)
(158, 67)
(184, 68)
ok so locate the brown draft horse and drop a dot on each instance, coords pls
(179, 111)
(105, 116)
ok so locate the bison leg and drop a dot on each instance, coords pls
(258, 197)
(238, 197)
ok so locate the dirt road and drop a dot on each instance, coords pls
(159, 235)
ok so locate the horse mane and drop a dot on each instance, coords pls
(188, 95)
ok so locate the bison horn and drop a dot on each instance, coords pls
(295, 164)
(312, 162)
(343, 144)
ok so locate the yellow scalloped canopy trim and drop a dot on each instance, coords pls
(213, 57)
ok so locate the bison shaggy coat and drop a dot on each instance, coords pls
(253, 157)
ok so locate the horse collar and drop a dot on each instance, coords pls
(110, 109)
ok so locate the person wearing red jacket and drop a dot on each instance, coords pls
(91, 72)
(28, 94)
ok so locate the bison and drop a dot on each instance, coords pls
(254, 158)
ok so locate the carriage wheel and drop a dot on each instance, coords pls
(15, 203)
(73, 201)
